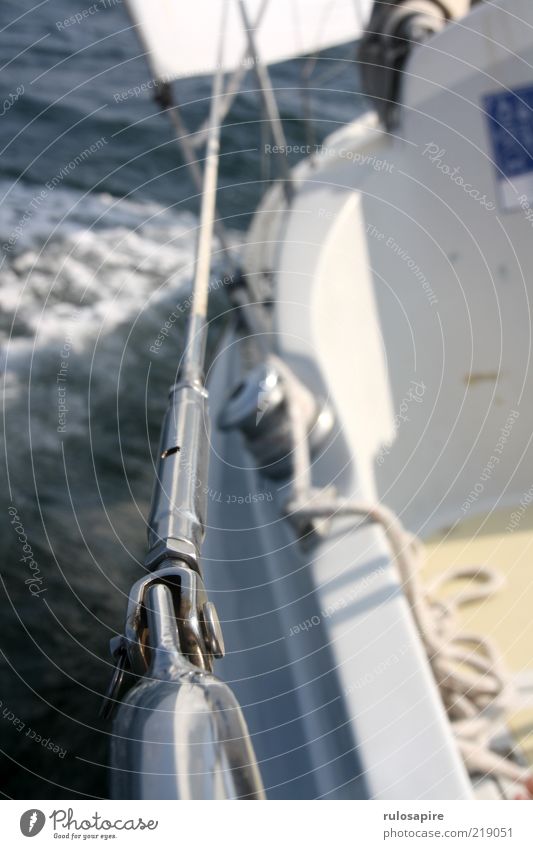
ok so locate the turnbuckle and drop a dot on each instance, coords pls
(198, 630)
(176, 529)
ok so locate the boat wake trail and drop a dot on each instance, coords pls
(87, 285)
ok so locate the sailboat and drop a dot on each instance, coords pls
(343, 487)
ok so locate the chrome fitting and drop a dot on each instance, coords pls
(258, 407)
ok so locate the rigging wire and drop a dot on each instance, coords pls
(197, 327)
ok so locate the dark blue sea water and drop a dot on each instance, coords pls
(95, 251)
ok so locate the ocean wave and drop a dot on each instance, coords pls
(84, 292)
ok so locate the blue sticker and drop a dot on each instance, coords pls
(510, 123)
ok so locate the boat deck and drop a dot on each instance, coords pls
(504, 541)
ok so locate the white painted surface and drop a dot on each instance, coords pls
(387, 272)
(181, 39)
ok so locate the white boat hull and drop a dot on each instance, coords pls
(402, 294)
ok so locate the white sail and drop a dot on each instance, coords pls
(181, 37)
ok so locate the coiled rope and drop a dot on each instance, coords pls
(476, 688)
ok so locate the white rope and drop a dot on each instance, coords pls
(476, 689)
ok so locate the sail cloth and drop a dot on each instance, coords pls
(181, 38)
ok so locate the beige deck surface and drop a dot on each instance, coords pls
(508, 616)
